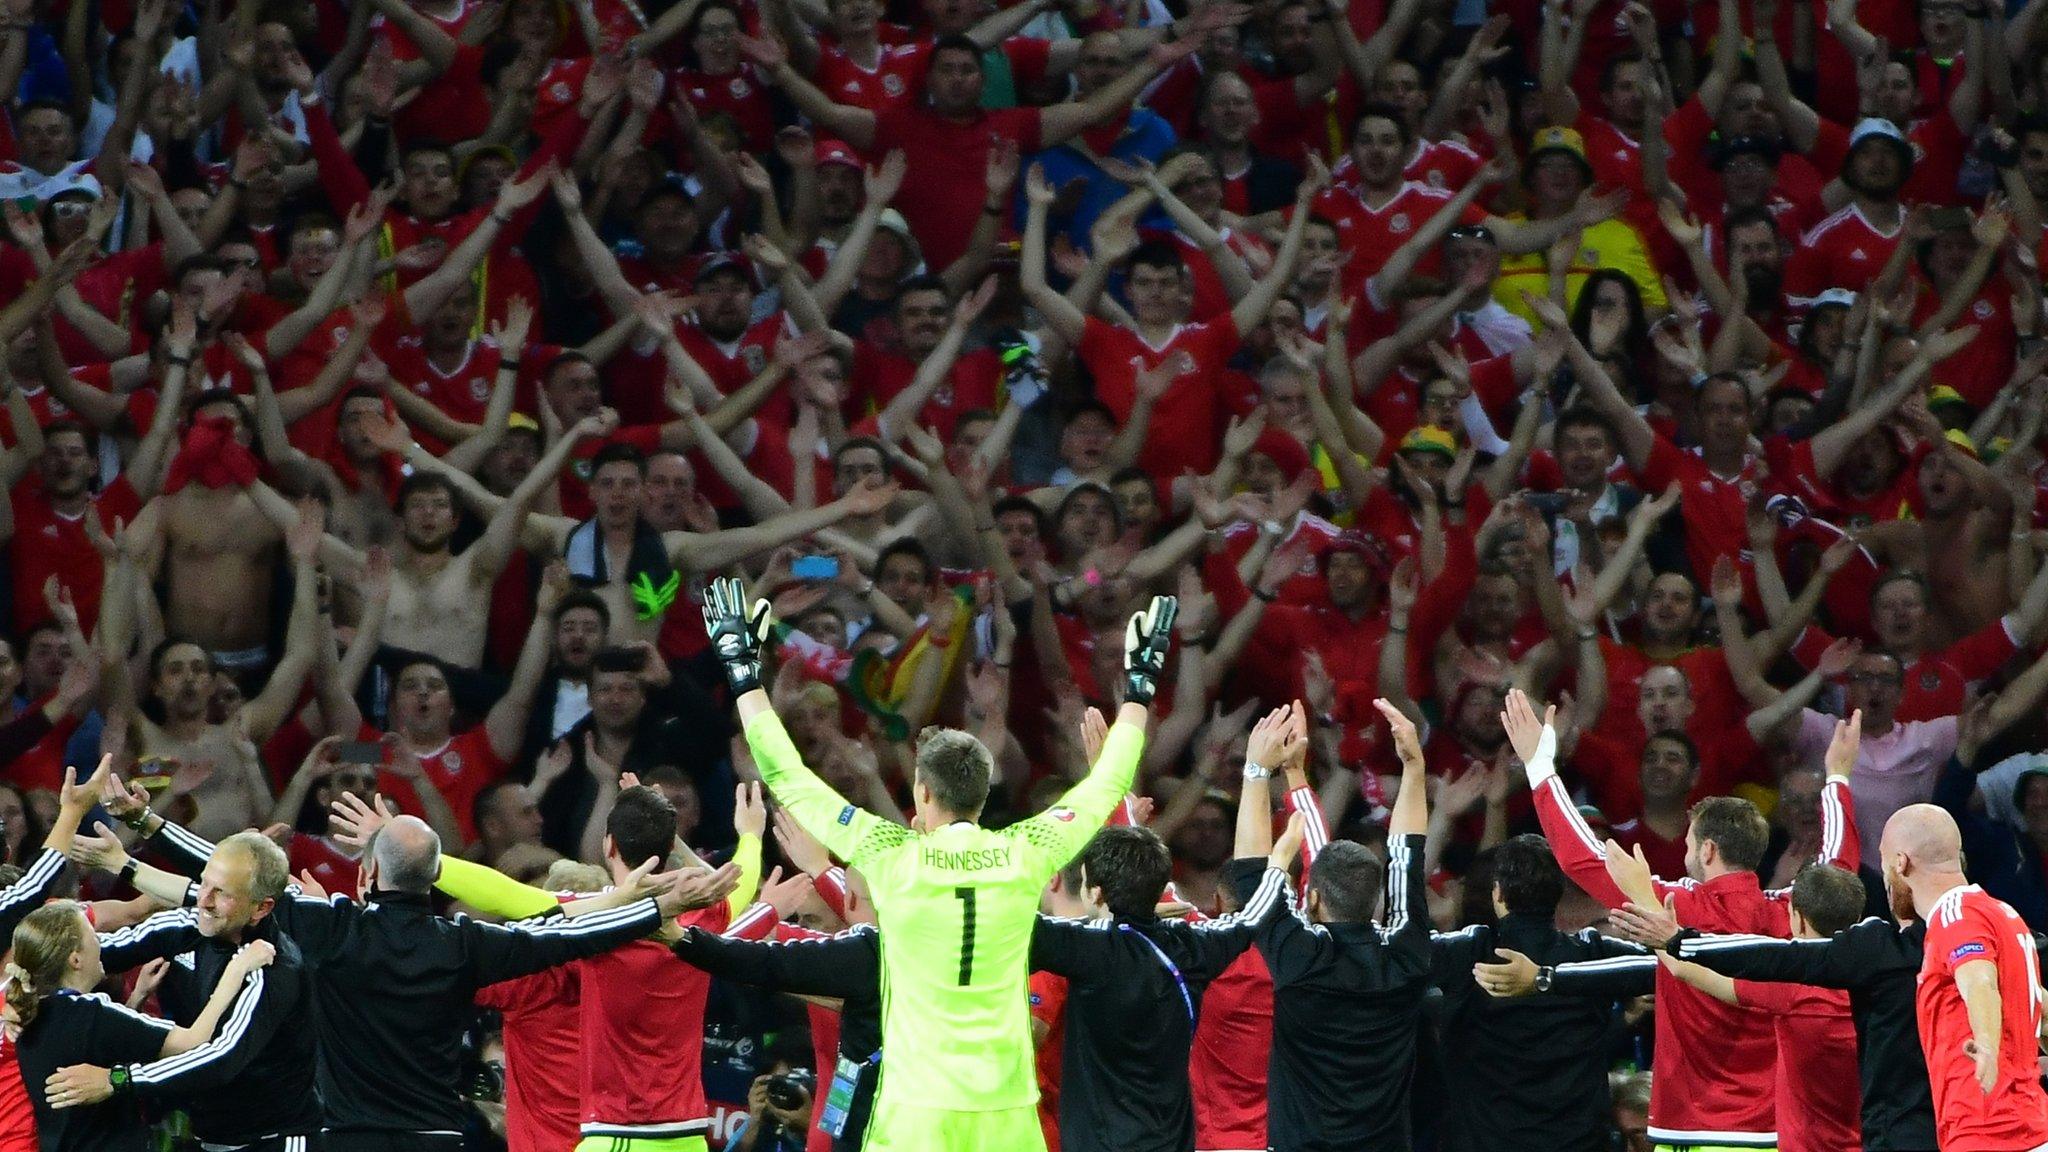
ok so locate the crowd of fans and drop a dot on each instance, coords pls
(384, 382)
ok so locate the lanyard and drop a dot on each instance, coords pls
(1171, 970)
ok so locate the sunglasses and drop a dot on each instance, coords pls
(66, 209)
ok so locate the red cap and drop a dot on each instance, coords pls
(830, 151)
(1284, 451)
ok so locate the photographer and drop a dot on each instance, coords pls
(778, 1111)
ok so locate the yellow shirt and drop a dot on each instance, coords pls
(1608, 244)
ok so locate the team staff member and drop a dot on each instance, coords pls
(1135, 982)
(1526, 1071)
(393, 984)
(252, 1088)
(955, 905)
(1979, 998)
(1347, 988)
(56, 966)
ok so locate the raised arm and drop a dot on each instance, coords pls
(856, 126)
(1061, 314)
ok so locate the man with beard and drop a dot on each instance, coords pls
(1979, 996)
(1957, 541)
(1847, 249)
(641, 717)
(438, 601)
(1715, 1071)
(1254, 180)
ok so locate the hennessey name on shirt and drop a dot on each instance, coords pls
(967, 859)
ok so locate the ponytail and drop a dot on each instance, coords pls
(22, 1001)
(43, 945)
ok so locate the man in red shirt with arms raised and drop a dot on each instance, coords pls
(1979, 997)
(947, 139)
(1716, 1064)
(1187, 421)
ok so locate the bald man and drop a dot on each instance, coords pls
(1979, 999)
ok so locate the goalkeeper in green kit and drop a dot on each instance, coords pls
(955, 902)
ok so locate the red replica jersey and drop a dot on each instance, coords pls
(1843, 251)
(1305, 586)
(881, 374)
(643, 1038)
(1820, 1098)
(1372, 234)
(1716, 1074)
(1969, 926)
(1049, 1007)
(1187, 423)
(1442, 164)
(48, 543)
(543, 1047)
(892, 83)
(1715, 508)
(460, 769)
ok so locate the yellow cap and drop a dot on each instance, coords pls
(520, 421)
(1557, 138)
(1428, 438)
(1961, 439)
(1943, 394)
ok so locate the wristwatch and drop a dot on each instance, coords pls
(1253, 770)
(117, 1078)
(129, 870)
(1543, 976)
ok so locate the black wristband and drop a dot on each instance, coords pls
(508, 365)
(129, 870)
(180, 361)
(1261, 594)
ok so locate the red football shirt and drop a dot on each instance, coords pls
(643, 1037)
(47, 543)
(1049, 1007)
(1820, 1098)
(461, 769)
(1715, 508)
(543, 1048)
(1968, 925)
(948, 165)
(1187, 423)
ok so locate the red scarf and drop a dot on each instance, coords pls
(212, 456)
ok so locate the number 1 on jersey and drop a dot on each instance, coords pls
(966, 898)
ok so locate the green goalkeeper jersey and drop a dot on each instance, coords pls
(956, 907)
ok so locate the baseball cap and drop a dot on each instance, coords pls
(1941, 395)
(892, 221)
(830, 151)
(1961, 439)
(1835, 297)
(1877, 128)
(1430, 439)
(67, 183)
(1557, 138)
(1764, 146)
(722, 262)
(521, 422)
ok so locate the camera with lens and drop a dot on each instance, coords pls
(789, 1091)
